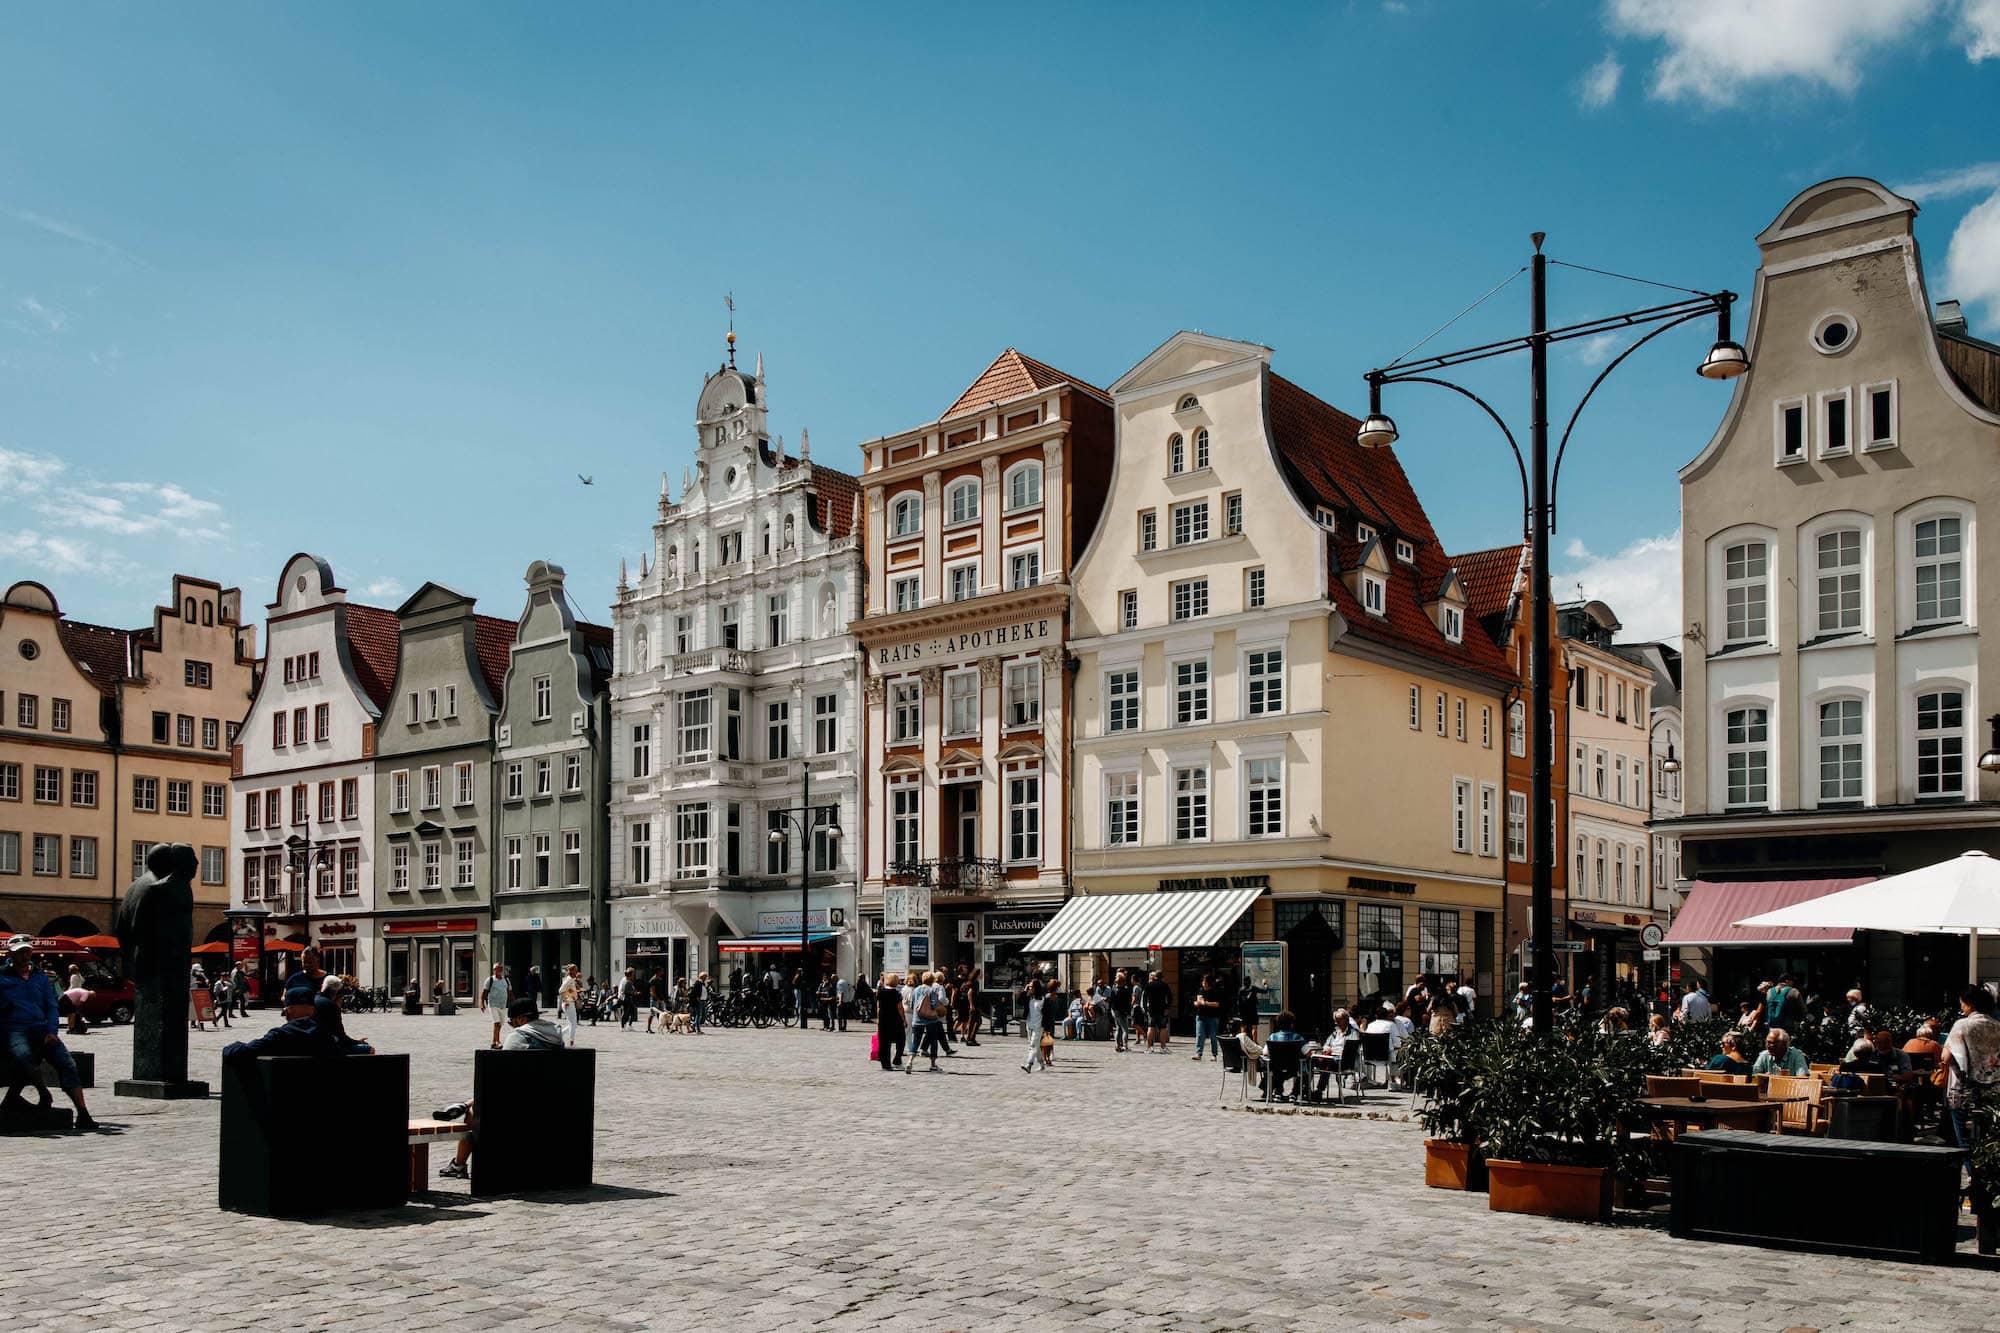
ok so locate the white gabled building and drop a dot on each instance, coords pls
(734, 698)
(303, 768)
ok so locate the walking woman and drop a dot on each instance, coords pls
(1033, 993)
(889, 1020)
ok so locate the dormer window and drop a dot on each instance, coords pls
(1406, 552)
(1326, 518)
(1364, 533)
(1372, 594)
(1454, 624)
(1187, 404)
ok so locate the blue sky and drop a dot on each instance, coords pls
(377, 281)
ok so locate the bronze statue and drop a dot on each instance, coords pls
(156, 931)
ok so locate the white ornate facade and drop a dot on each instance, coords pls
(735, 697)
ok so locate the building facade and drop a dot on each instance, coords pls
(973, 526)
(1835, 660)
(1610, 850)
(1496, 585)
(1277, 688)
(111, 741)
(1665, 743)
(735, 705)
(304, 769)
(553, 767)
(433, 794)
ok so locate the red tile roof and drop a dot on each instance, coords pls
(1329, 468)
(1009, 377)
(493, 637)
(1490, 577)
(834, 498)
(104, 653)
(373, 645)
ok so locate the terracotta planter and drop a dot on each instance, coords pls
(1453, 1166)
(1580, 1193)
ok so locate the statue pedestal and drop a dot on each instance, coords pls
(160, 1089)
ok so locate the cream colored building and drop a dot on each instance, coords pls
(1835, 669)
(1277, 688)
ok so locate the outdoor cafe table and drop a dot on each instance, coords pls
(1685, 1112)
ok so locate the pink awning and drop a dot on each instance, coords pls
(1711, 912)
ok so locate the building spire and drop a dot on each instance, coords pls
(805, 442)
(779, 449)
(687, 481)
(760, 367)
(623, 582)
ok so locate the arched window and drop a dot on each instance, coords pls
(1024, 486)
(1187, 404)
(1201, 449)
(1517, 729)
(189, 614)
(906, 515)
(1176, 454)
(208, 613)
(962, 502)
(1746, 592)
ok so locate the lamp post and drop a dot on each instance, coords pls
(1990, 761)
(803, 817)
(1725, 360)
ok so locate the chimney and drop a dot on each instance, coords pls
(1950, 318)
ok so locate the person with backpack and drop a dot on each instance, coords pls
(1784, 1006)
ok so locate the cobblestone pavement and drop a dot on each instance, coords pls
(777, 1180)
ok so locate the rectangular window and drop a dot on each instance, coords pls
(83, 860)
(322, 721)
(48, 854)
(1600, 787)
(1940, 745)
(273, 808)
(180, 796)
(1489, 800)
(1458, 717)
(1024, 694)
(211, 733)
(431, 704)
(1747, 737)
(416, 708)
(325, 801)
(1128, 609)
(277, 729)
(433, 864)
(48, 785)
(253, 877)
(572, 857)
(1253, 588)
(1232, 513)
(696, 728)
(10, 782)
(639, 860)
(1745, 592)
(451, 701)
(1264, 676)
(573, 771)
(1264, 784)
(1840, 750)
(544, 778)
(399, 866)
(1024, 818)
(778, 730)
(1121, 701)
(461, 783)
(642, 746)
(1440, 712)
(1582, 779)
(399, 792)
(83, 789)
(350, 871)
(731, 631)
(545, 695)
(183, 729)
(1517, 826)
(1881, 415)
(1839, 591)
(1190, 522)
(777, 620)
(253, 812)
(905, 803)
(1024, 569)
(1191, 692)
(1461, 815)
(1485, 727)
(1618, 774)
(299, 732)
(1437, 941)
(1372, 594)
(1938, 550)
(1416, 709)
(826, 723)
(214, 799)
(513, 870)
(461, 862)
(683, 633)
(433, 788)
(961, 695)
(908, 593)
(28, 708)
(1791, 431)
(1833, 423)
(1190, 599)
(59, 717)
(543, 860)
(10, 853)
(962, 582)
(1149, 531)
(1191, 803)
(1121, 809)
(514, 785)
(906, 711)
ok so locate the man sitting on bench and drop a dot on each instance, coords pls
(527, 1031)
(28, 1020)
(304, 1032)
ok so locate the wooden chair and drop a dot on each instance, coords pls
(1665, 1085)
(1822, 1071)
(1802, 1116)
(1728, 1090)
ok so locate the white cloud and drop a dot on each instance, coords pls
(386, 586)
(43, 553)
(49, 317)
(1641, 584)
(1980, 22)
(55, 522)
(68, 231)
(1716, 50)
(1600, 84)
(1596, 349)
(1972, 261)
(26, 474)
(1978, 177)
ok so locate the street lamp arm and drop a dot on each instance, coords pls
(1555, 479)
(1590, 328)
(1520, 465)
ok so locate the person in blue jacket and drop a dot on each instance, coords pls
(304, 1032)
(28, 1018)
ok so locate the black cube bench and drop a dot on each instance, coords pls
(1796, 1192)
(537, 1120)
(86, 1068)
(303, 1137)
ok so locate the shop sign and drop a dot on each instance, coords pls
(1216, 882)
(957, 647)
(336, 928)
(633, 923)
(777, 923)
(543, 923)
(437, 926)
(1374, 885)
(1017, 923)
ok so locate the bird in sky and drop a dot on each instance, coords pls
(585, 480)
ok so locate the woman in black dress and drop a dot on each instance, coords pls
(889, 1019)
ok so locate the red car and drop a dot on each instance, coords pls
(111, 1001)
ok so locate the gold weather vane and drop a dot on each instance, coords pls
(730, 301)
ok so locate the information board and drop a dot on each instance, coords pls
(1264, 969)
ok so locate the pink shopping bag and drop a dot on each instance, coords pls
(875, 1046)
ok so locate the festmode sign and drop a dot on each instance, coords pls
(957, 647)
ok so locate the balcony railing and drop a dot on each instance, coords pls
(959, 874)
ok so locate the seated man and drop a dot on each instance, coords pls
(527, 1031)
(305, 1032)
(28, 1020)
(1284, 1028)
(1780, 1056)
(1894, 1060)
(1072, 1024)
(1863, 1058)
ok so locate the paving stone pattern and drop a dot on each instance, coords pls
(778, 1180)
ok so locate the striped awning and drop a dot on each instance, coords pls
(1119, 921)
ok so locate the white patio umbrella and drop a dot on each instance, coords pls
(1956, 897)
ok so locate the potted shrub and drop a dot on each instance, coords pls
(1444, 1070)
(1552, 1111)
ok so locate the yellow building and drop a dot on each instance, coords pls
(1278, 693)
(113, 740)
